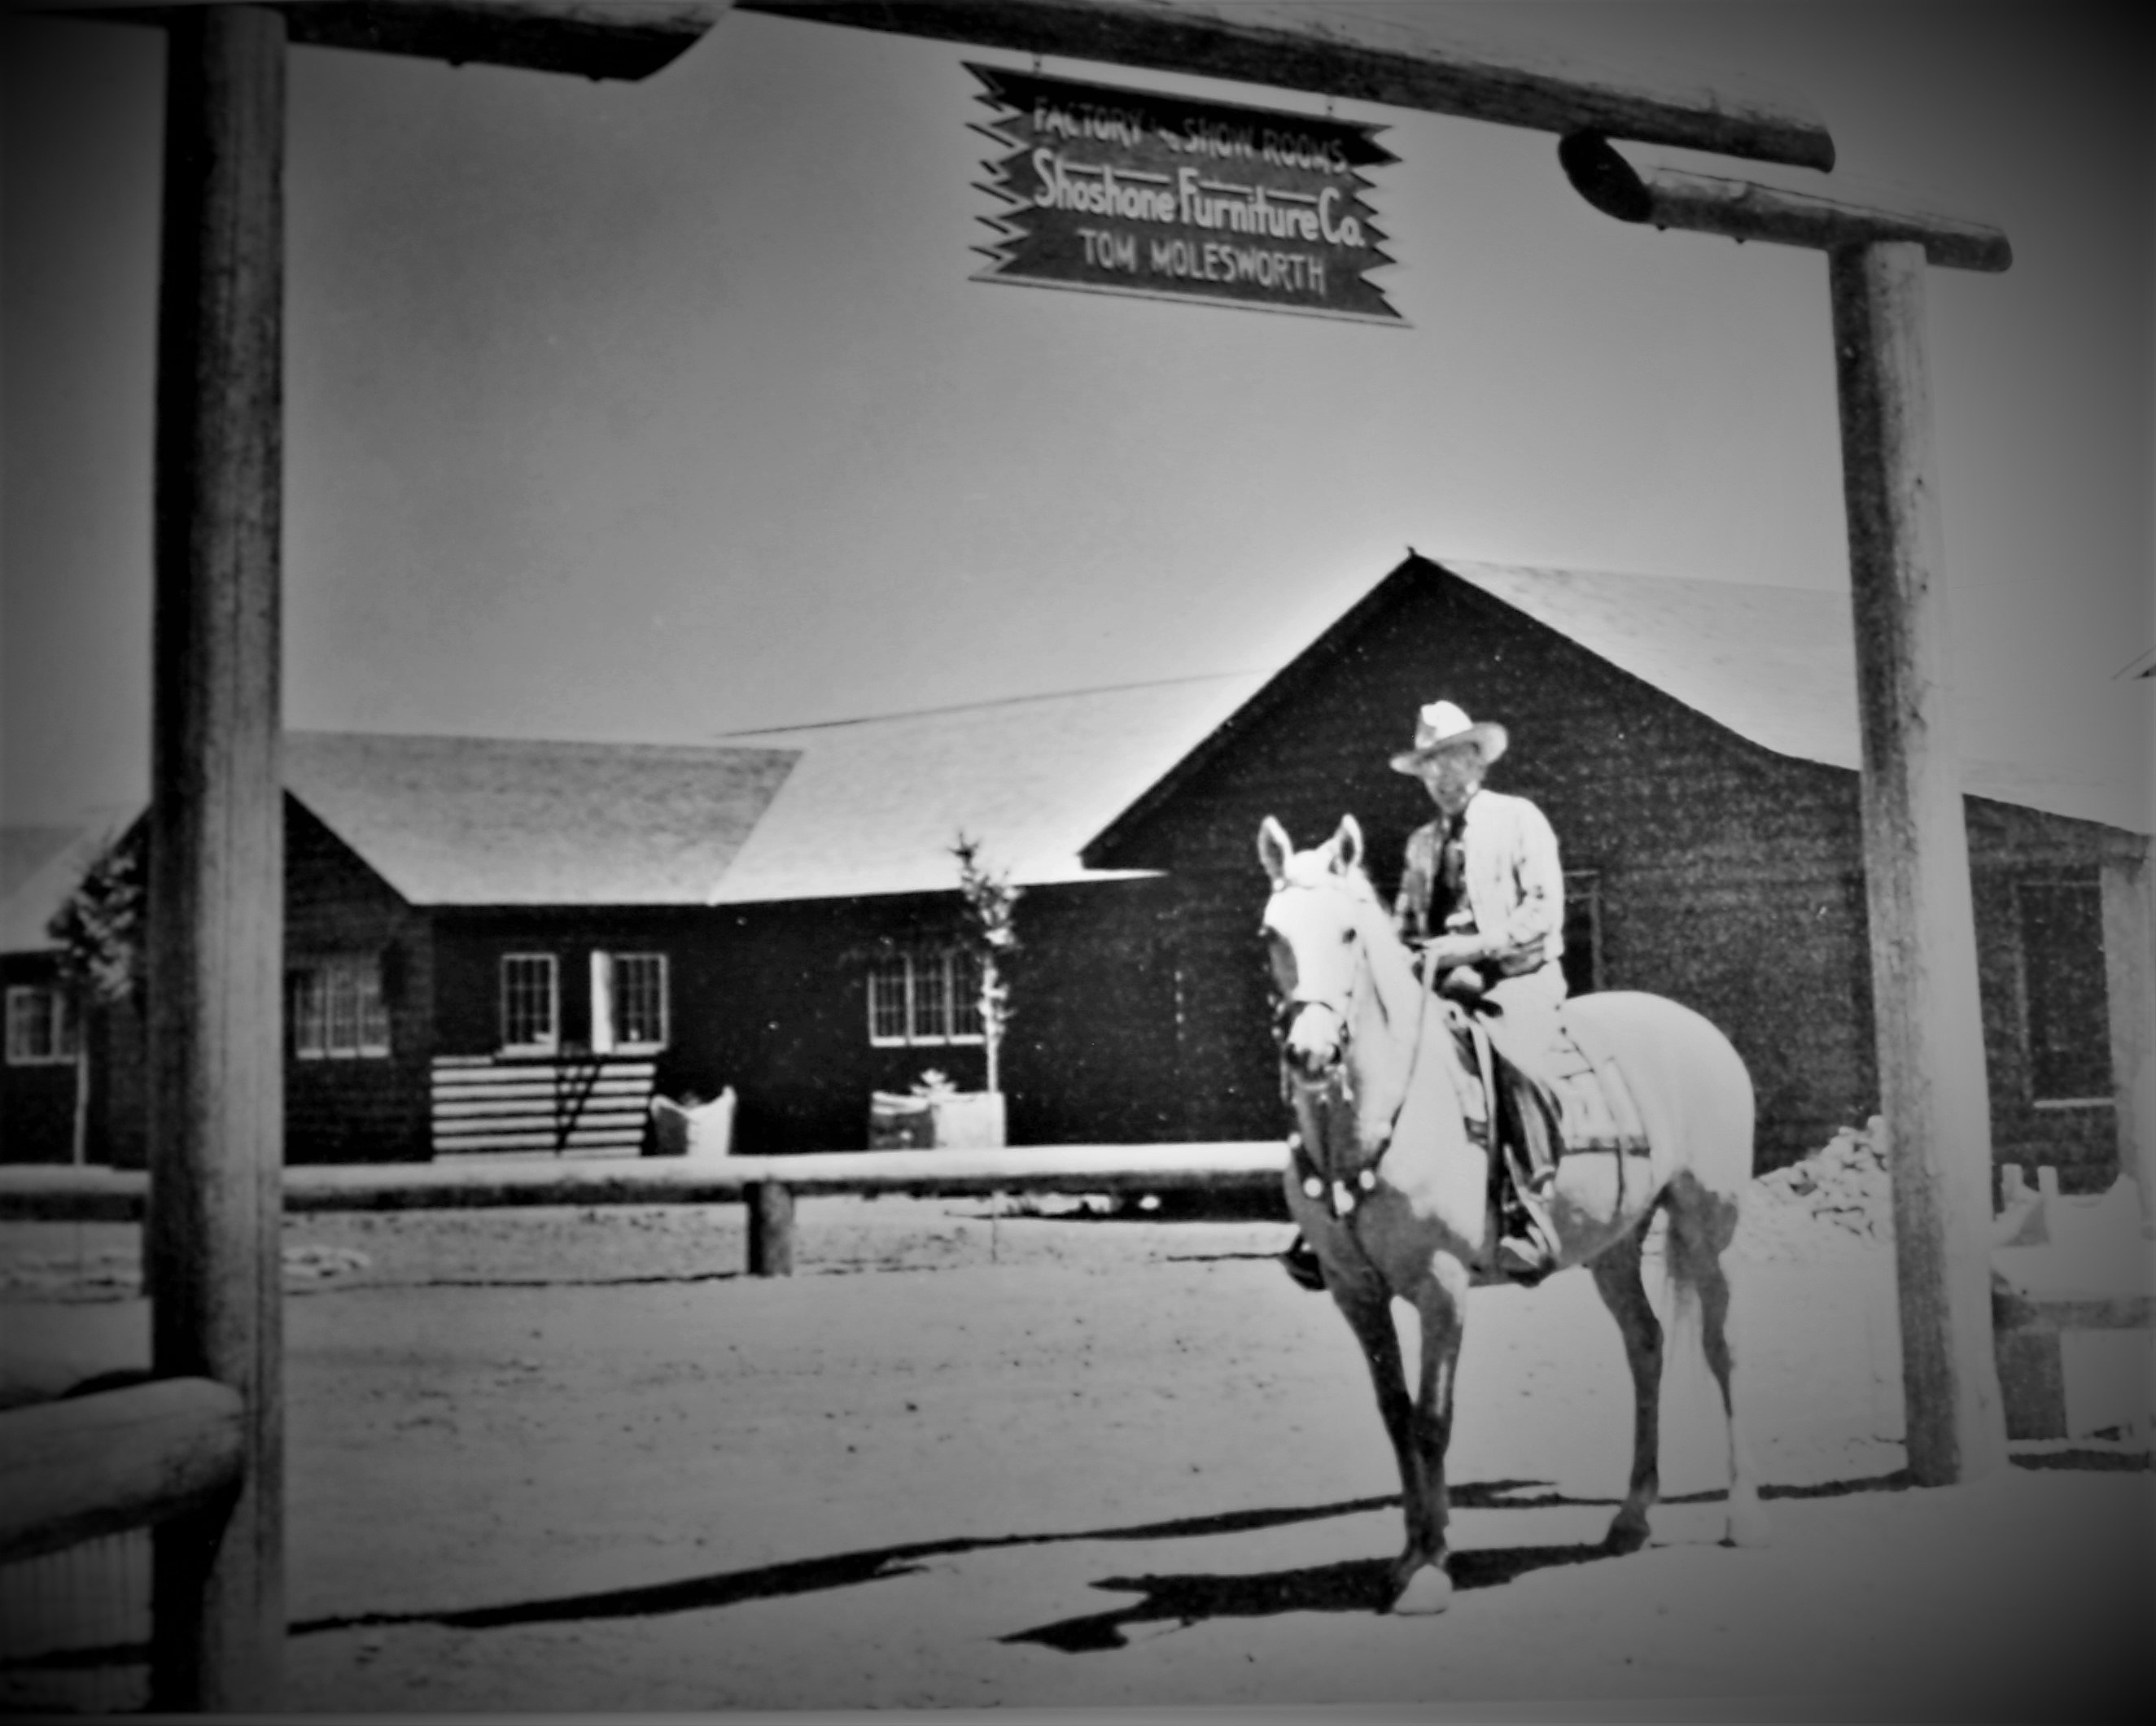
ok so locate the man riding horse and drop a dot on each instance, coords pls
(1481, 901)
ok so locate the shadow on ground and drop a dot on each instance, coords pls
(1355, 1586)
(1352, 1586)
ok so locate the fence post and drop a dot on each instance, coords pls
(770, 1230)
(216, 904)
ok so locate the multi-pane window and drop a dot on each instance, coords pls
(41, 1025)
(531, 1002)
(2063, 992)
(1582, 931)
(335, 1008)
(929, 995)
(629, 1001)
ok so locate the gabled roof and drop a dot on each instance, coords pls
(25, 850)
(1777, 665)
(875, 805)
(483, 821)
(43, 865)
(872, 806)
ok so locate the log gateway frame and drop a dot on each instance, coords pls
(216, 906)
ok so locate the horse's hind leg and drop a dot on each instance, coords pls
(1702, 1223)
(1616, 1274)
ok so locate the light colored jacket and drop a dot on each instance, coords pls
(1514, 883)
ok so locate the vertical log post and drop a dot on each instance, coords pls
(2129, 955)
(216, 907)
(1930, 1032)
(770, 1230)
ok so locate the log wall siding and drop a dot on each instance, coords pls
(1092, 1056)
(2079, 1141)
(1730, 878)
(119, 1087)
(472, 944)
(37, 1100)
(368, 1108)
(1089, 1056)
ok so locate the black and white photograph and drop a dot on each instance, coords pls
(1116, 860)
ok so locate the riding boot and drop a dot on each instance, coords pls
(1528, 1251)
(1302, 1265)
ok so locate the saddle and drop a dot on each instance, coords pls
(1593, 1104)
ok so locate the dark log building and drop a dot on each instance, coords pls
(500, 945)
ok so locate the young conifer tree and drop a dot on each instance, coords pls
(99, 929)
(992, 938)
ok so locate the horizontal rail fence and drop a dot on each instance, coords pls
(81, 1467)
(767, 1186)
(83, 1479)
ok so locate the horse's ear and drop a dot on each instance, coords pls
(1274, 849)
(1347, 845)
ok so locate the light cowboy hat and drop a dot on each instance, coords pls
(1441, 727)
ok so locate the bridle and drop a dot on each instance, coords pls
(1299, 999)
(1336, 1073)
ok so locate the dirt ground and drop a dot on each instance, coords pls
(575, 1460)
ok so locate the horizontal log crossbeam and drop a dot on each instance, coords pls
(1852, 212)
(79, 1467)
(1434, 63)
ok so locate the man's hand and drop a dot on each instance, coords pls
(1512, 957)
(1442, 953)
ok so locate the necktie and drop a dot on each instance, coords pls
(1452, 867)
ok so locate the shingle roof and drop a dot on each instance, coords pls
(482, 821)
(874, 805)
(1776, 665)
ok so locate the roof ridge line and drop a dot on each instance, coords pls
(919, 713)
(462, 738)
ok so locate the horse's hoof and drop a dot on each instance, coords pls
(1626, 1535)
(1748, 1524)
(1428, 1590)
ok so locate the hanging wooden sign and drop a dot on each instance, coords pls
(1130, 191)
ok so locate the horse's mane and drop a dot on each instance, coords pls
(1355, 882)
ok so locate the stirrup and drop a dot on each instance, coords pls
(1524, 1261)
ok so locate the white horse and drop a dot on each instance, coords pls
(1402, 1207)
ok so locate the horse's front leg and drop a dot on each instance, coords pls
(1425, 1585)
(1363, 1302)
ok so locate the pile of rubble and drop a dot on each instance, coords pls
(1839, 1195)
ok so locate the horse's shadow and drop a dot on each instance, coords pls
(1363, 1585)
(1366, 1585)
(1353, 1586)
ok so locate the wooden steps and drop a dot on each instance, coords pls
(569, 1104)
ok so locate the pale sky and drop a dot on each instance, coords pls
(651, 412)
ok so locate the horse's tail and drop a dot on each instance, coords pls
(1701, 1224)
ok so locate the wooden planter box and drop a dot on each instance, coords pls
(705, 1130)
